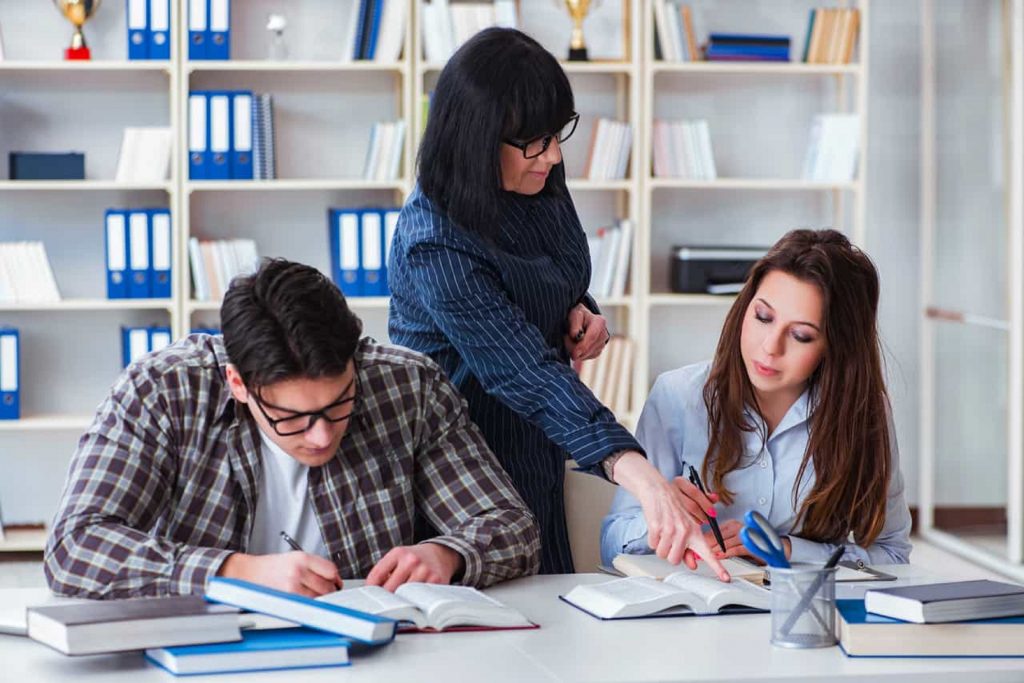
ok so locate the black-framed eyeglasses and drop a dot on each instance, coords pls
(537, 146)
(297, 423)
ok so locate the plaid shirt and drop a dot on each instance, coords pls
(163, 485)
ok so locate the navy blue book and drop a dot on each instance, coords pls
(862, 634)
(942, 602)
(759, 38)
(366, 628)
(737, 50)
(285, 648)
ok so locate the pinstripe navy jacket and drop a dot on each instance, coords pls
(493, 313)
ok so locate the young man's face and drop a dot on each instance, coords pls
(279, 408)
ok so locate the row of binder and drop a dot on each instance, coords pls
(209, 29)
(136, 342)
(360, 242)
(10, 394)
(220, 134)
(138, 245)
(149, 29)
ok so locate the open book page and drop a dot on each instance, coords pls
(658, 568)
(379, 601)
(447, 606)
(634, 596)
(717, 594)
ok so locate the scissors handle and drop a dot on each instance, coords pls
(760, 538)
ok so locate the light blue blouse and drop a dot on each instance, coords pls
(673, 428)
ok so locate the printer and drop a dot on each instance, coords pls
(712, 270)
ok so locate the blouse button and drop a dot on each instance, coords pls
(764, 463)
(762, 500)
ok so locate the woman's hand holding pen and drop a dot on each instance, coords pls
(588, 333)
(294, 572)
(734, 546)
(698, 505)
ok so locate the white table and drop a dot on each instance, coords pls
(569, 646)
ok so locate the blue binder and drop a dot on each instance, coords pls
(218, 41)
(138, 29)
(345, 262)
(218, 126)
(241, 135)
(159, 29)
(158, 337)
(116, 240)
(10, 380)
(160, 245)
(371, 39)
(198, 29)
(198, 136)
(371, 251)
(140, 254)
(390, 225)
(362, 26)
(134, 344)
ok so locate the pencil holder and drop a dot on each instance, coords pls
(803, 606)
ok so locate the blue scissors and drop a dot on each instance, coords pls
(760, 538)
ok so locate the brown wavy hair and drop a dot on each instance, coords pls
(849, 443)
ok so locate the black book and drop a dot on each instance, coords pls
(136, 624)
(944, 602)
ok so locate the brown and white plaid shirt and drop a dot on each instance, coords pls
(163, 485)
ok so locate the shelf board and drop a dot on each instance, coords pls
(690, 299)
(358, 302)
(21, 540)
(47, 423)
(615, 302)
(292, 185)
(784, 184)
(271, 66)
(82, 185)
(90, 65)
(623, 67)
(583, 184)
(782, 68)
(92, 305)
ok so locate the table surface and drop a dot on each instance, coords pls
(569, 646)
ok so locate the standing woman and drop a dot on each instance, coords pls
(489, 271)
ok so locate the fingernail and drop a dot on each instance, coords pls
(713, 497)
(697, 555)
(712, 513)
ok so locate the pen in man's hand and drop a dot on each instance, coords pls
(695, 480)
(291, 542)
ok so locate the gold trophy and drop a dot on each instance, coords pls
(77, 12)
(577, 46)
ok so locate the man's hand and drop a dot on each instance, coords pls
(670, 531)
(425, 562)
(588, 333)
(698, 505)
(294, 572)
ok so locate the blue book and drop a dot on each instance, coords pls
(159, 37)
(116, 239)
(374, 33)
(748, 38)
(716, 50)
(366, 628)
(218, 41)
(241, 135)
(198, 29)
(218, 125)
(863, 634)
(140, 254)
(134, 344)
(286, 648)
(137, 15)
(343, 234)
(160, 241)
(362, 26)
(10, 374)
(198, 136)
(371, 252)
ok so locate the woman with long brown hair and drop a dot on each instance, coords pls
(791, 418)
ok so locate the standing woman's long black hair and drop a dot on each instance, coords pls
(501, 84)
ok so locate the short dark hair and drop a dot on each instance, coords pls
(500, 84)
(287, 321)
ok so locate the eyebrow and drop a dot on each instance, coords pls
(795, 322)
(297, 413)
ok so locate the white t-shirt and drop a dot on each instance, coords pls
(284, 505)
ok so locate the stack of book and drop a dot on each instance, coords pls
(831, 35)
(136, 342)
(376, 30)
(25, 274)
(610, 145)
(145, 155)
(384, 153)
(10, 378)
(682, 149)
(833, 148)
(610, 248)
(360, 242)
(138, 253)
(447, 25)
(746, 47)
(224, 128)
(675, 36)
(608, 376)
(215, 263)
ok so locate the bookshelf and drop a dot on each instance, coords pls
(324, 108)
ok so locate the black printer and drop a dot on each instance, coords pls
(712, 270)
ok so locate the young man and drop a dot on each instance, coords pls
(205, 452)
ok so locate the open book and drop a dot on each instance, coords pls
(658, 568)
(431, 606)
(682, 593)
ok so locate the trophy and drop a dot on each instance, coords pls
(77, 12)
(577, 47)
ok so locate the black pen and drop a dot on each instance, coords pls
(291, 542)
(695, 480)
